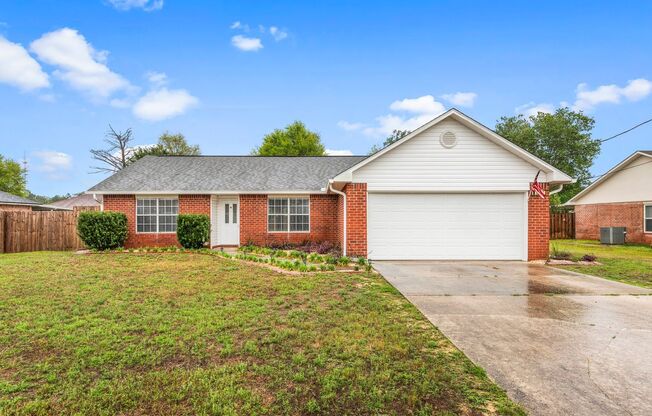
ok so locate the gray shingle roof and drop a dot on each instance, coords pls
(226, 173)
(7, 198)
(82, 200)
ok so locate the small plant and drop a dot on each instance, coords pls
(356, 268)
(589, 257)
(102, 230)
(343, 261)
(362, 261)
(560, 254)
(193, 230)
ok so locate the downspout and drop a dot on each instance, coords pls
(561, 186)
(98, 201)
(343, 195)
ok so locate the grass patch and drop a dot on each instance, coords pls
(630, 263)
(194, 334)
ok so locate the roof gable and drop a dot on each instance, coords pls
(631, 162)
(554, 174)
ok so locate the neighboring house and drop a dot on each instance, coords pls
(451, 189)
(10, 202)
(83, 201)
(622, 197)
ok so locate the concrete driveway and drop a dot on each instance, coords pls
(559, 343)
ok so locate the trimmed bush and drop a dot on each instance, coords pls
(193, 230)
(102, 230)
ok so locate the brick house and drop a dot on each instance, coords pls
(622, 197)
(451, 189)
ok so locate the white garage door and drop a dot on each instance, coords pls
(446, 226)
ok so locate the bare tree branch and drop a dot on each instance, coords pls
(117, 156)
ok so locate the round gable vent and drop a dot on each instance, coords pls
(448, 139)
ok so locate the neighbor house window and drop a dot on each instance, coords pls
(157, 215)
(647, 218)
(288, 214)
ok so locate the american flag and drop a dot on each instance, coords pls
(536, 188)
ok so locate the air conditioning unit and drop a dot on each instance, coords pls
(613, 235)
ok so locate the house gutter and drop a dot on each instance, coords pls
(330, 187)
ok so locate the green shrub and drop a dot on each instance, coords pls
(193, 230)
(102, 230)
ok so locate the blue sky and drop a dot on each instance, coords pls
(350, 70)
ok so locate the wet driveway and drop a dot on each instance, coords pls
(559, 343)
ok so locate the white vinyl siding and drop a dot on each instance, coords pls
(630, 184)
(422, 164)
(446, 226)
(288, 214)
(156, 215)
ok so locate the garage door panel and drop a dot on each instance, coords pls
(446, 226)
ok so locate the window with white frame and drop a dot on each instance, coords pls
(288, 214)
(647, 218)
(157, 215)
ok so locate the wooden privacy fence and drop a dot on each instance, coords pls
(562, 225)
(38, 230)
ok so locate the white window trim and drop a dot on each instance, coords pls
(645, 218)
(157, 197)
(288, 197)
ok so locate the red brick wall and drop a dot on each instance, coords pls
(188, 204)
(5, 207)
(589, 219)
(538, 226)
(253, 221)
(356, 219)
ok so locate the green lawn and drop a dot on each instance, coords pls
(195, 334)
(628, 263)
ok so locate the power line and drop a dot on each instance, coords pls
(626, 131)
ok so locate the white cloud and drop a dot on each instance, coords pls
(79, 63)
(120, 103)
(163, 103)
(53, 164)
(463, 99)
(19, 69)
(157, 78)
(388, 123)
(587, 99)
(247, 44)
(239, 26)
(421, 105)
(277, 33)
(146, 5)
(532, 109)
(331, 152)
(423, 109)
(345, 125)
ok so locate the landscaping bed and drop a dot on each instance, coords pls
(286, 259)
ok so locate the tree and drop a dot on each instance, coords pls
(562, 139)
(12, 177)
(117, 156)
(394, 137)
(168, 145)
(294, 140)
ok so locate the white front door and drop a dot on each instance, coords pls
(447, 226)
(225, 227)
